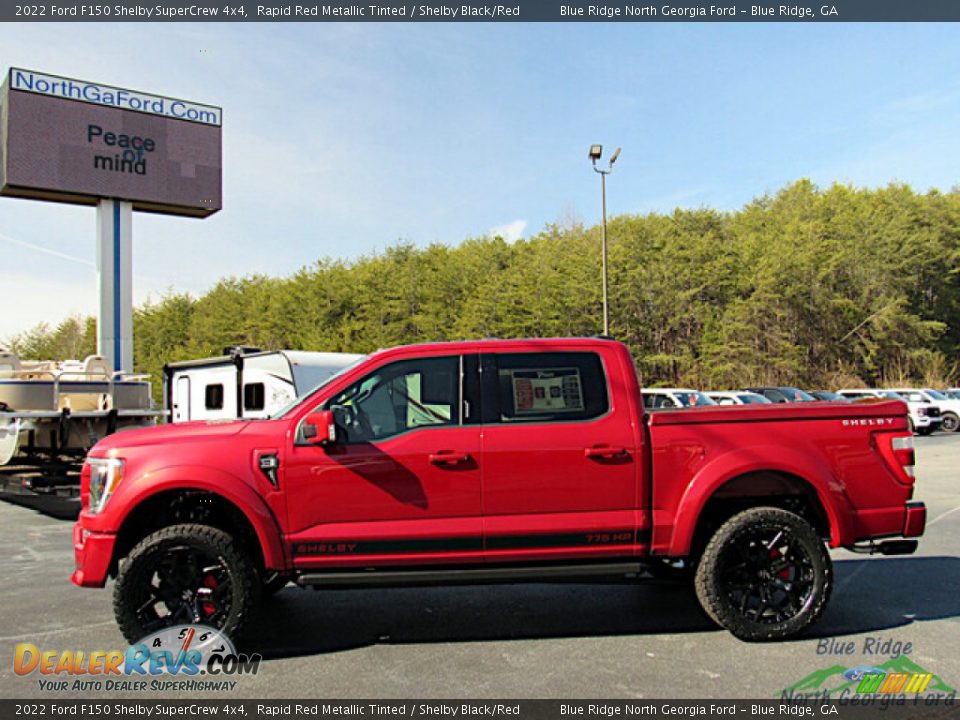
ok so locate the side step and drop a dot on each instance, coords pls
(468, 576)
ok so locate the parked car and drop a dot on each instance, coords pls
(494, 461)
(924, 416)
(737, 398)
(672, 398)
(828, 396)
(782, 394)
(949, 408)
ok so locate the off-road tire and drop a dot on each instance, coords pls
(951, 423)
(136, 574)
(716, 588)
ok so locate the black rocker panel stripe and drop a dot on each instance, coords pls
(455, 544)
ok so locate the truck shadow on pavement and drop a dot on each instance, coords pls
(55, 506)
(869, 595)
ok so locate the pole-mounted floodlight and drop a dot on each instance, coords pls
(596, 151)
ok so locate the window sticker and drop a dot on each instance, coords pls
(555, 390)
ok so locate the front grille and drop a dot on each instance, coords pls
(933, 411)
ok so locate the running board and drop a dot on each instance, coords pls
(467, 576)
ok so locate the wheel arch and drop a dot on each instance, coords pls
(175, 498)
(738, 481)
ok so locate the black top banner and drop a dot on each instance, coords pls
(860, 708)
(479, 11)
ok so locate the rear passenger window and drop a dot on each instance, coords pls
(549, 387)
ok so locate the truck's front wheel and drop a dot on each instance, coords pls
(185, 574)
(764, 575)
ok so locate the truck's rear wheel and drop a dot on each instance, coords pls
(764, 575)
(185, 574)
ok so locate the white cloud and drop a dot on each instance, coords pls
(511, 232)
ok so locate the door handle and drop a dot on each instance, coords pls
(604, 452)
(448, 457)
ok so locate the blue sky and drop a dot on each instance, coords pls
(341, 139)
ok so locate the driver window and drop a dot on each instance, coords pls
(399, 397)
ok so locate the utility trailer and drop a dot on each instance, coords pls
(53, 412)
(245, 382)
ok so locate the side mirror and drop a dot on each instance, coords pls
(319, 428)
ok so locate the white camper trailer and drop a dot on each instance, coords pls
(245, 383)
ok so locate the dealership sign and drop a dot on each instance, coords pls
(74, 141)
(35, 82)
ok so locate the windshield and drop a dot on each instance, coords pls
(291, 405)
(754, 399)
(936, 395)
(693, 398)
(890, 394)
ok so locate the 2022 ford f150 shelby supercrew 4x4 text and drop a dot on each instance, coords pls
(495, 461)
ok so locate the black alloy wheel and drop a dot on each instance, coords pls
(185, 575)
(764, 575)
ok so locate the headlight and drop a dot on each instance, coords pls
(105, 475)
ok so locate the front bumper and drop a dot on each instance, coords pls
(92, 552)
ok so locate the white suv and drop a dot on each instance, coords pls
(668, 398)
(949, 408)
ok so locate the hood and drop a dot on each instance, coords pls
(197, 431)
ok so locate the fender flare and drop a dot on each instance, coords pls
(742, 461)
(229, 487)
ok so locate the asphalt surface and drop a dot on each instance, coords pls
(520, 641)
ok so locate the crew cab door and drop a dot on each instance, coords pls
(401, 484)
(562, 465)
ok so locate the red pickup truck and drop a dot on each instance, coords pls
(495, 461)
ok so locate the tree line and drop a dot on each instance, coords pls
(808, 286)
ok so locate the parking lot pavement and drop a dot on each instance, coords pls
(550, 641)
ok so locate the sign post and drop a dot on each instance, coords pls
(114, 276)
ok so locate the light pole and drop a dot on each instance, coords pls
(595, 152)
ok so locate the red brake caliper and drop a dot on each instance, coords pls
(776, 555)
(207, 606)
